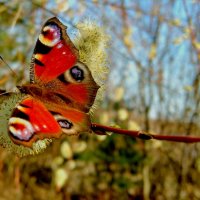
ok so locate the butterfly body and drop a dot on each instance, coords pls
(60, 93)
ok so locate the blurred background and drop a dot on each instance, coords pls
(153, 85)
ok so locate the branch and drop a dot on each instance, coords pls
(101, 130)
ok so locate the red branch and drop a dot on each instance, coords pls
(101, 129)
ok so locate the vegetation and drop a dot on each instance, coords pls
(153, 85)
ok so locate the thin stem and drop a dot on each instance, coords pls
(101, 129)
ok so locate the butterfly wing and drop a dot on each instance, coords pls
(75, 87)
(31, 120)
(61, 92)
(71, 121)
(56, 66)
(54, 52)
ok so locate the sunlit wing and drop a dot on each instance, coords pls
(54, 52)
(56, 66)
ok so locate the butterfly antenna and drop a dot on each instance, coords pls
(4, 93)
(8, 66)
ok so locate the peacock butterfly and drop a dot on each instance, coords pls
(60, 93)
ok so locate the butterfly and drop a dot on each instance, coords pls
(59, 96)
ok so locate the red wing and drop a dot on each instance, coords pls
(75, 86)
(57, 72)
(32, 120)
(54, 52)
(56, 66)
(72, 121)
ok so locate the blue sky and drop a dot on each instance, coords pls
(177, 66)
(178, 71)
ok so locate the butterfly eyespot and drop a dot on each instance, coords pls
(77, 73)
(20, 129)
(50, 35)
(65, 123)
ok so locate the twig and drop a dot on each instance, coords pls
(101, 129)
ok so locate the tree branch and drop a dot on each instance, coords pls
(101, 130)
